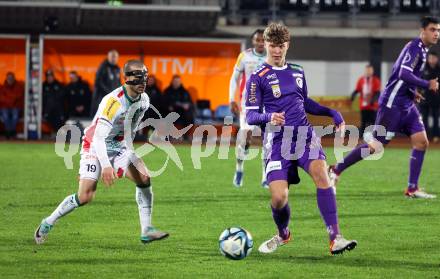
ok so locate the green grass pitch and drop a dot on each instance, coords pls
(398, 238)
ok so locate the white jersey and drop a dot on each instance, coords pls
(247, 62)
(114, 108)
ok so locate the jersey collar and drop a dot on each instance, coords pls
(129, 99)
(279, 68)
(425, 48)
(258, 54)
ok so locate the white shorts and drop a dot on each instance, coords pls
(90, 168)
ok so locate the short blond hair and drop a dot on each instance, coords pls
(276, 33)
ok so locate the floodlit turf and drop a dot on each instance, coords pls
(398, 238)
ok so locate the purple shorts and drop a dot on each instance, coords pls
(396, 120)
(279, 167)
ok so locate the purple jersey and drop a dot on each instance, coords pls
(284, 89)
(277, 89)
(405, 77)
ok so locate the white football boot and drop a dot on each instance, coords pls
(42, 231)
(272, 244)
(340, 244)
(334, 177)
(419, 194)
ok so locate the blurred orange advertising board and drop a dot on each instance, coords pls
(12, 57)
(205, 65)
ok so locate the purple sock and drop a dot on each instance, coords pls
(352, 158)
(282, 217)
(415, 168)
(327, 206)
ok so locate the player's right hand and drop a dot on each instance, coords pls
(234, 108)
(108, 176)
(433, 85)
(277, 119)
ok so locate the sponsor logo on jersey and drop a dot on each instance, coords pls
(299, 82)
(416, 61)
(111, 108)
(272, 76)
(298, 75)
(277, 81)
(276, 90)
(273, 165)
(262, 73)
(253, 93)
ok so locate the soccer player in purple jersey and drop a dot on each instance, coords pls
(397, 111)
(276, 97)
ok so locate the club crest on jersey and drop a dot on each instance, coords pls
(299, 82)
(276, 90)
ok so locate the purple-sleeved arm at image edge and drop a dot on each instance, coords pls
(253, 117)
(410, 78)
(315, 108)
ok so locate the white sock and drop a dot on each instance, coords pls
(263, 171)
(65, 207)
(241, 154)
(144, 199)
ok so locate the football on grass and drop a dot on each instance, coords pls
(235, 243)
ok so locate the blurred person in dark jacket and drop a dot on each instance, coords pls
(108, 78)
(431, 105)
(178, 100)
(78, 96)
(156, 98)
(53, 101)
(11, 103)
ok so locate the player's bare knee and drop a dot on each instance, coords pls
(145, 180)
(322, 181)
(86, 197)
(421, 145)
(279, 199)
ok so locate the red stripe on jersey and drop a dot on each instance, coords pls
(120, 172)
(88, 136)
(119, 138)
(263, 72)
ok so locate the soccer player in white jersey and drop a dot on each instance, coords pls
(247, 62)
(105, 154)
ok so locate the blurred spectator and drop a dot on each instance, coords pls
(431, 105)
(53, 101)
(11, 102)
(178, 99)
(156, 98)
(78, 96)
(368, 86)
(108, 78)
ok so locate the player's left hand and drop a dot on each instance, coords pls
(235, 109)
(339, 122)
(108, 176)
(419, 97)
